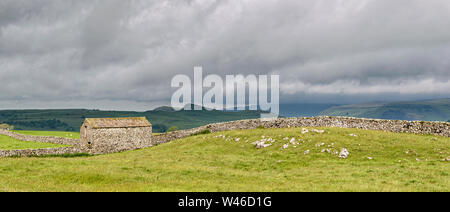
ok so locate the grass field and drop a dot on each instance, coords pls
(8, 143)
(400, 162)
(74, 135)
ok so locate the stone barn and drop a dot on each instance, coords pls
(106, 135)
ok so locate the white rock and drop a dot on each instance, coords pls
(370, 158)
(304, 130)
(318, 131)
(237, 139)
(285, 146)
(265, 145)
(353, 135)
(344, 153)
(261, 144)
(306, 152)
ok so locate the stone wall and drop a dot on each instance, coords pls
(74, 143)
(39, 152)
(109, 140)
(398, 126)
(42, 139)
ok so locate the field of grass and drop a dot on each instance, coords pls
(8, 143)
(399, 162)
(73, 135)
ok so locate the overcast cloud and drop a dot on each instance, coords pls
(115, 54)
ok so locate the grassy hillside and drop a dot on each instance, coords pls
(161, 118)
(211, 162)
(428, 110)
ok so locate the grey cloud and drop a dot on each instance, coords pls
(128, 51)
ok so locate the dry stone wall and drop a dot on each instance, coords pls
(42, 139)
(39, 152)
(74, 143)
(398, 126)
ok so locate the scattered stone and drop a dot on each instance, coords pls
(325, 150)
(370, 158)
(417, 159)
(261, 144)
(344, 153)
(306, 152)
(353, 135)
(292, 141)
(237, 139)
(318, 131)
(304, 130)
(319, 144)
(285, 146)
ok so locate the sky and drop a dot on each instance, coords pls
(114, 54)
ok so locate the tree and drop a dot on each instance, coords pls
(172, 128)
(6, 127)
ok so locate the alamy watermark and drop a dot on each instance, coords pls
(234, 89)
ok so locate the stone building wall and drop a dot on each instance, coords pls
(108, 140)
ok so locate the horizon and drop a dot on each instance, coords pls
(227, 109)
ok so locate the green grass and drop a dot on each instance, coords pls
(74, 135)
(211, 163)
(8, 143)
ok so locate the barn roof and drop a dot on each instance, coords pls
(118, 122)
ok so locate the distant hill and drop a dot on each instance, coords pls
(304, 109)
(426, 110)
(161, 118)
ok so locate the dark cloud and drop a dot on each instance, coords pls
(95, 53)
